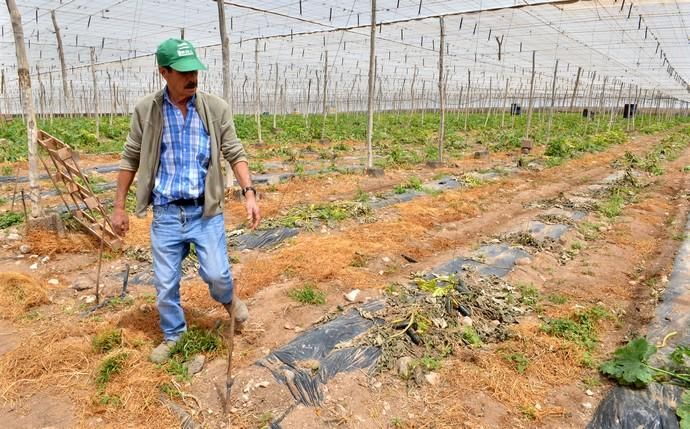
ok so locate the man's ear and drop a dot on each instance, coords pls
(163, 71)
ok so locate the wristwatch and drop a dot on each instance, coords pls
(248, 188)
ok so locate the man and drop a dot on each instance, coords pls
(175, 143)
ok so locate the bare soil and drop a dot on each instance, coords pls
(49, 367)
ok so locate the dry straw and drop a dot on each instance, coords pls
(19, 293)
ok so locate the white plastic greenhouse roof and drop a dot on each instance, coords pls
(622, 47)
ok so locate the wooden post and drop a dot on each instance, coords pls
(414, 79)
(225, 53)
(467, 103)
(370, 88)
(27, 101)
(41, 94)
(306, 110)
(112, 99)
(441, 90)
(227, 78)
(577, 82)
(257, 91)
(325, 106)
(52, 106)
(275, 100)
(505, 103)
(457, 114)
(531, 96)
(488, 112)
(335, 101)
(95, 91)
(601, 103)
(553, 100)
(63, 67)
(615, 106)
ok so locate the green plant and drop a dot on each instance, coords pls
(429, 363)
(471, 337)
(170, 390)
(196, 340)
(308, 294)
(629, 364)
(612, 206)
(589, 230)
(265, 420)
(110, 366)
(414, 183)
(438, 286)
(471, 180)
(361, 196)
(257, 166)
(529, 295)
(120, 302)
(10, 218)
(580, 328)
(107, 340)
(110, 400)
(680, 236)
(519, 360)
(175, 367)
(556, 298)
(529, 411)
(591, 381)
(587, 360)
(397, 422)
(308, 216)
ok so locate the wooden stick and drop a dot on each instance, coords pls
(370, 88)
(95, 91)
(442, 91)
(100, 261)
(27, 102)
(230, 340)
(325, 86)
(257, 91)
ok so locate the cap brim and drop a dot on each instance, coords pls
(188, 64)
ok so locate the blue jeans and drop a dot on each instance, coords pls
(172, 230)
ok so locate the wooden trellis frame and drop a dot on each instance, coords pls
(86, 205)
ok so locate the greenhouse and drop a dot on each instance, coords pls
(438, 214)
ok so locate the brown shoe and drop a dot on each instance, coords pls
(240, 310)
(162, 352)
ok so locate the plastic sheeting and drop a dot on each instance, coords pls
(262, 239)
(327, 345)
(498, 260)
(655, 406)
(542, 232)
(442, 184)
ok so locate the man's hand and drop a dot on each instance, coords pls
(120, 218)
(120, 221)
(253, 212)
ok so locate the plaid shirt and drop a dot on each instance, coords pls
(185, 154)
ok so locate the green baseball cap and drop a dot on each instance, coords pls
(178, 54)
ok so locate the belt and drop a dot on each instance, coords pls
(198, 201)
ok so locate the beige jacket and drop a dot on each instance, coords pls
(143, 147)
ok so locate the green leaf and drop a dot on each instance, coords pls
(679, 354)
(683, 410)
(629, 364)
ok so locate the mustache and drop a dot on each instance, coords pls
(191, 85)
